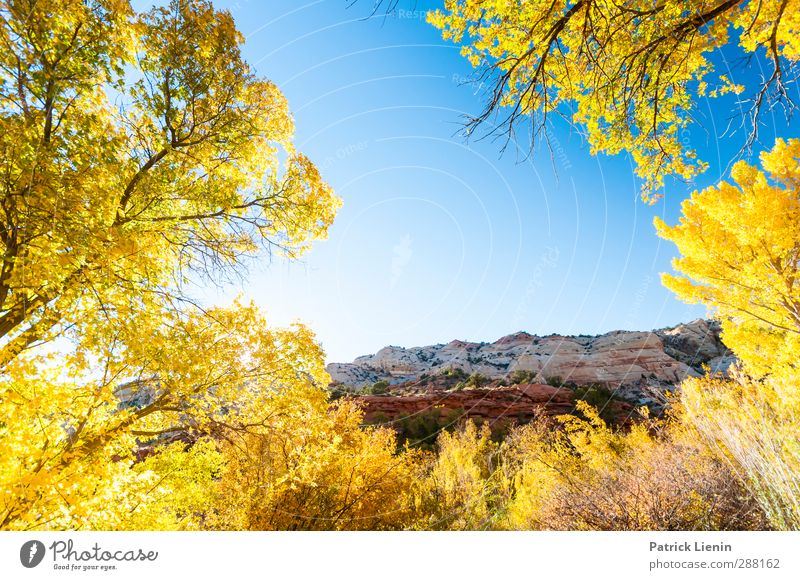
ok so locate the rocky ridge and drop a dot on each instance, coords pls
(635, 366)
(505, 401)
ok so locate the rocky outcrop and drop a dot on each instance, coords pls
(697, 344)
(498, 407)
(633, 364)
(499, 404)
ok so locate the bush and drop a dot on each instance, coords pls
(459, 491)
(523, 377)
(597, 396)
(356, 481)
(555, 381)
(339, 391)
(476, 381)
(422, 429)
(754, 425)
(455, 373)
(587, 476)
(378, 388)
(576, 473)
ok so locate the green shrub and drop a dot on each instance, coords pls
(522, 377)
(339, 391)
(378, 388)
(476, 381)
(420, 430)
(555, 381)
(455, 373)
(598, 396)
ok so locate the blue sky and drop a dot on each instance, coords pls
(439, 238)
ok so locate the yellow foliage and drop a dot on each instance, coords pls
(739, 246)
(135, 149)
(577, 473)
(68, 431)
(315, 468)
(138, 150)
(754, 425)
(461, 487)
(587, 476)
(184, 479)
(627, 72)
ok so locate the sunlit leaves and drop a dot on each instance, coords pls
(739, 244)
(627, 73)
(312, 468)
(138, 152)
(739, 247)
(72, 424)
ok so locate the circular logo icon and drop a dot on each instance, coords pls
(31, 553)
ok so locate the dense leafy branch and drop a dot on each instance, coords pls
(627, 74)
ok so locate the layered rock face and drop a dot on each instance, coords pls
(498, 404)
(634, 365)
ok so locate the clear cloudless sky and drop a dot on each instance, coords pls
(440, 238)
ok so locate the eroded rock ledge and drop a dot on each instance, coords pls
(636, 367)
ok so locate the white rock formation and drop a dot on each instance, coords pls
(619, 359)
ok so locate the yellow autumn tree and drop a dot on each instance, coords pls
(71, 431)
(627, 73)
(315, 467)
(135, 150)
(739, 245)
(139, 153)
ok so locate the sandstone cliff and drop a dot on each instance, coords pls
(635, 366)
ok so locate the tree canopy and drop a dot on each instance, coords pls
(628, 74)
(135, 149)
(739, 247)
(139, 153)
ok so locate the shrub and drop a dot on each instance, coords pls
(754, 426)
(459, 489)
(455, 373)
(587, 476)
(420, 430)
(555, 381)
(476, 381)
(378, 388)
(339, 391)
(522, 377)
(597, 396)
(317, 472)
